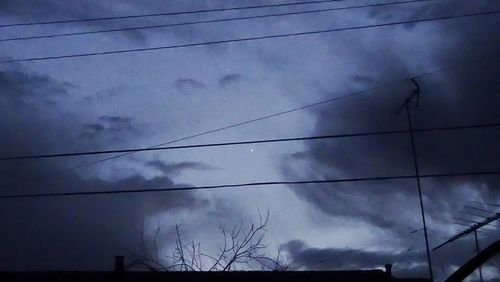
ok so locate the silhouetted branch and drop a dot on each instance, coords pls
(242, 248)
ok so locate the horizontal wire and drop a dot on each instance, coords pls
(252, 184)
(333, 136)
(261, 118)
(169, 13)
(208, 21)
(246, 39)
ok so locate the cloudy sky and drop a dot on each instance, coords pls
(144, 99)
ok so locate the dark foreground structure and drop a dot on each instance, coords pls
(239, 276)
(292, 276)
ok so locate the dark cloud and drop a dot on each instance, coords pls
(308, 258)
(186, 85)
(446, 100)
(33, 11)
(176, 168)
(110, 126)
(229, 79)
(83, 232)
(363, 80)
(69, 232)
(459, 96)
(23, 88)
(406, 263)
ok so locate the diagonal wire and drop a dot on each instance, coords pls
(149, 15)
(261, 141)
(246, 39)
(247, 185)
(67, 34)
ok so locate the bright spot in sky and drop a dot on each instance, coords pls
(251, 150)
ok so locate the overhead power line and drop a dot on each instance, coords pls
(245, 39)
(242, 123)
(465, 220)
(262, 141)
(149, 15)
(472, 214)
(468, 225)
(485, 204)
(67, 34)
(479, 209)
(472, 228)
(273, 115)
(337, 257)
(251, 184)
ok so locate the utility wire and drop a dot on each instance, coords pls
(472, 228)
(480, 209)
(207, 21)
(262, 141)
(169, 13)
(251, 184)
(466, 220)
(261, 118)
(234, 125)
(336, 257)
(483, 228)
(474, 221)
(487, 204)
(472, 214)
(245, 39)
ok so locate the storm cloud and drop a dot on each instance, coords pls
(465, 95)
(143, 99)
(68, 233)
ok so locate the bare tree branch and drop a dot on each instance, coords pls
(242, 248)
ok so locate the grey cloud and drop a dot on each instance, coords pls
(69, 233)
(115, 120)
(106, 126)
(364, 80)
(308, 258)
(457, 97)
(77, 232)
(229, 79)
(29, 11)
(406, 263)
(18, 87)
(185, 85)
(176, 168)
(460, 96)
(85, 232)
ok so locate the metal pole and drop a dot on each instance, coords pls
(477, 251)
(415, 162)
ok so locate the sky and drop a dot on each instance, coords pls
(142, 99)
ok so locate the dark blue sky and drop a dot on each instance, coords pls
(148, 98)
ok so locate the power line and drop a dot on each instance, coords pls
(200, 145)
(262, 141)
(472, 228)
(468, 225)
(479, 209)
(238, 124)
(245, 39)
(251, 184)
(466, 220)
(472, 214)
(487, 204)
(474, 220)
(207, 21)
(336, 257)
(168, 13)
(261, 118)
